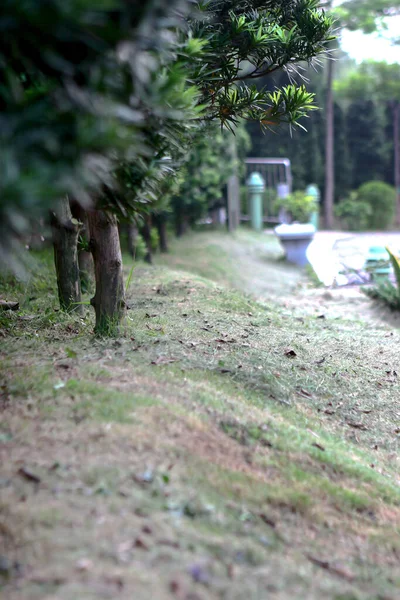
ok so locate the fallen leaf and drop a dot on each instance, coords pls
(174, 586)
(357, 425)
(267, 520)
(336, 569)
(147, 529)
(139, 543)
(163, 360)
(316, 445)
(304, 393)
(28, 475)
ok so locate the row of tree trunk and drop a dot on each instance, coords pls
(80, 256)
(87, 254)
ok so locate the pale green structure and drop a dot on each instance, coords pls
(312, 190)
(256, 187)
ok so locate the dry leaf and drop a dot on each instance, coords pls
(316, 445)
(26, 474)
(304, 393)
(163, 360)
(357, 425)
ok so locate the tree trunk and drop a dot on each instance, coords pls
(109, 299)
(182, 225)
(161, 223)
(146, 233)
(132, 239)
(396, 145)
(329, 151)
(85, 258)
(65, 242)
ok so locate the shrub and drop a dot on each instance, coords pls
(299, 205)
(355, 214)
(140, 247)
(381, 197)
(385, 291)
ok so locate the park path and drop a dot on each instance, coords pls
(330, 251)
(267, 277)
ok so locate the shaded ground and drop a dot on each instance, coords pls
(219, 449)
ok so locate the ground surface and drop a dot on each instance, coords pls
(221, 448)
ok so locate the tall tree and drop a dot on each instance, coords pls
(379, 82)
(367, 16)
(366, 142)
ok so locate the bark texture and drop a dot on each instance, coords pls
(329, 151)
(109, 299)
(65, 242)
(85, 258)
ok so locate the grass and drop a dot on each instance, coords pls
(221, 447)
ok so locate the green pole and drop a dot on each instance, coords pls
(256, 187)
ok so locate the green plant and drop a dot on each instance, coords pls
(385, 291)
(140, 247)
(299, 205)
(354, 213)
(381, 197)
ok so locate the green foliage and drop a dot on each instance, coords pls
(89, 103)
(140, 247)
(210, 162)
(385, 291)
(367, 14)
(80, 86)
(299, 205)
(354, 213)
(243, 41)
(381, 197)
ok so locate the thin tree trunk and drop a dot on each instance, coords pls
(146, 233)
(396, 145)
(109, 299)
(329, 151)
(161, 223)
(65, 239)
(132, 239)
(182, 225)
(85, 258)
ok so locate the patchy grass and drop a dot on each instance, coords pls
(220, 448)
